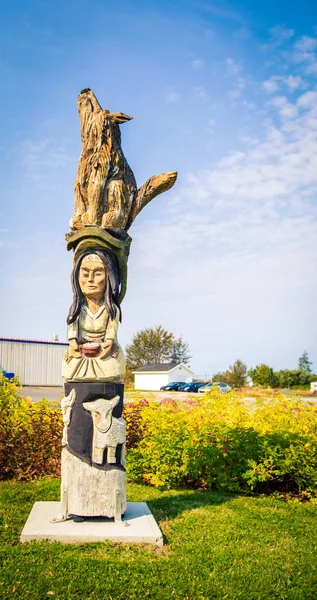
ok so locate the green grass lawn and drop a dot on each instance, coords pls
(216, 546)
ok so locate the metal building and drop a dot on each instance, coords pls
(33, 361)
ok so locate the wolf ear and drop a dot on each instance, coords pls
(119, 117)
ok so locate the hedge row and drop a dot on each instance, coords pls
(30, 435)
(220, 442)
(214, 442)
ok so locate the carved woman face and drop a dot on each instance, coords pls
(92, 277)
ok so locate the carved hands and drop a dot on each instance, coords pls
(108, 347)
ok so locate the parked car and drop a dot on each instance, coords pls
(193, 386)
(174, 386)
(223, 387)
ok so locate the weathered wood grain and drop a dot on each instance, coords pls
(106, 192)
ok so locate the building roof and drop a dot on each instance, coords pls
(162, 368)
(3, 339)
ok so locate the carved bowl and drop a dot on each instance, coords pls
(91, 349)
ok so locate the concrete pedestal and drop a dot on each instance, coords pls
(137, 526)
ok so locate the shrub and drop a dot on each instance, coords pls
(221, 443)
(30, 435)
(213, 442)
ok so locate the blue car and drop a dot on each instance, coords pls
(193, 386)
(174, 386)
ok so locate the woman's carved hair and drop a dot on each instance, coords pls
(111, 298)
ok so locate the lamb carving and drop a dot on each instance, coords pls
(67, 405)
(108, 431)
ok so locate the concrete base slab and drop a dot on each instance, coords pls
(137, 526)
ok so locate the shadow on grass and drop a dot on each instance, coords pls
(171, 506)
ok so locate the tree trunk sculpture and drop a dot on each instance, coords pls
(106, 192)
(107, 201)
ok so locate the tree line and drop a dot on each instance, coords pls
(156, 345)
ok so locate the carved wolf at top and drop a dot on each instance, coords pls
(106, 192)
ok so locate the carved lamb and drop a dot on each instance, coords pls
(108, 430)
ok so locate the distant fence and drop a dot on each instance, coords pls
(34, 362)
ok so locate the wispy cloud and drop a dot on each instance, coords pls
(233, 67)
(292, 82)
(280, 34)
(244, 231)
(172, 97)
(234, 70)
(224, 13)
(241, 34)
(197, 64)
(304, 53)
(200, 92)
(39, 156)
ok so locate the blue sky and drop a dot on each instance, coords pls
(225, 93)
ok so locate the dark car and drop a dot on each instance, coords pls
(193, 386)
(174, 386)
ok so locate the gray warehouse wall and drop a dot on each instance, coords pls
(35, 363)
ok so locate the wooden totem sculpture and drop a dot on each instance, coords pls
(107, 200)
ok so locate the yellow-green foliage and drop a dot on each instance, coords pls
(30, 435)
(221, 441)
(212, 442)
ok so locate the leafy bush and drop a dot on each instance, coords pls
(219, 442)
(30, 435)
(214, 442)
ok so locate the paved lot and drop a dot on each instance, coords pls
(38, 393)
(54, 394)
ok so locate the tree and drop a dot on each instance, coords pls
(155, 345)
(180, 352)
(224, 377)
(304, 364)
(263, 375)
(236, 375)
(287, 378)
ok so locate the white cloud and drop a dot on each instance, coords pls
(233, 67)
(197, 64)
(239, 240)
(304, 53)
(40, 156)
(200, 92)
(208, 33)
(280, 34)
(234, 94)
(241, 34)
(306, 44)
(308, 100)
(234, 70)
(292, 82)
(270, 85)
(172, 97)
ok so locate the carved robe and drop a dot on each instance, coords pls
(89, 327)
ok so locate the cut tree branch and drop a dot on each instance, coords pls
(155, 185)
